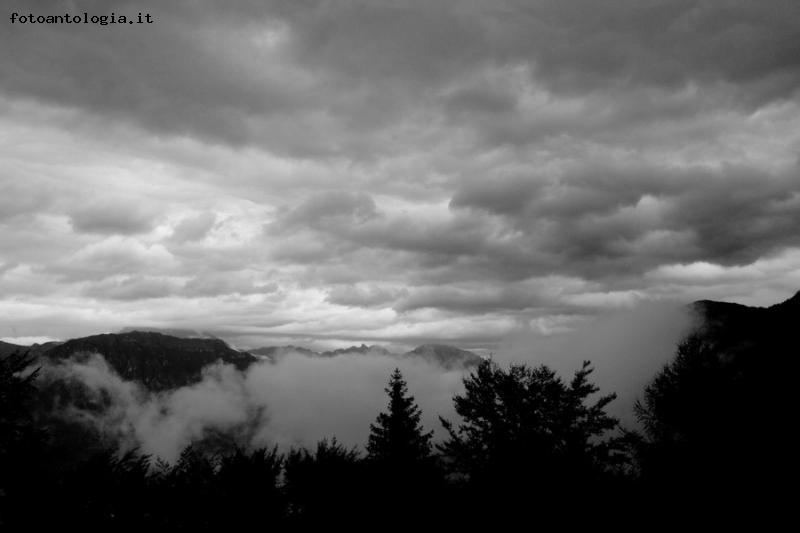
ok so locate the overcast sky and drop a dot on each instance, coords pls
(397, 171)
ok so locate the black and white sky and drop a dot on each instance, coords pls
(392, 172)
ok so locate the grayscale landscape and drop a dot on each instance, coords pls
(384, 263)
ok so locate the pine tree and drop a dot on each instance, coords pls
(397, 436)
(400, 461)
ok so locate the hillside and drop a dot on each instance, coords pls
(158, 361)
(446, 356)
(6, 348)
(739, 330)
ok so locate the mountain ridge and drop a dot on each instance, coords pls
(158, 361)
(7, 348)
(741, 330)
(162, 362)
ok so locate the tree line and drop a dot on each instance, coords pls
(527, 445)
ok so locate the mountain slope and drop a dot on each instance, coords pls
(443, 355)
(363, 350)
(158, 361)
(738, 330)
(719, 417)
(448, 357)
(6, 348)
(275, 353)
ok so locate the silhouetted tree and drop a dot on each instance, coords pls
(525, 433)
(400, 458)
(21, 442)
(108, 492)
(189, 491)
(324, 485)
(247, 486)
(715, 427)
(16, 392)
(397, 436)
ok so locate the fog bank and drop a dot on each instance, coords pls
(294, 402)
(627, 347)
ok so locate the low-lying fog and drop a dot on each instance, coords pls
(301, 399)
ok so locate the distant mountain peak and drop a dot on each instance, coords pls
(363, 349)
(445, 355)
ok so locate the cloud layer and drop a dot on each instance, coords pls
(337, 172)
(295, 402)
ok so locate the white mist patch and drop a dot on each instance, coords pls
(161, 424)
(27, 341)
(294, 402)
(626, 347)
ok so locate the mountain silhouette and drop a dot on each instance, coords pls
(275, 353)
(718, 417)
(446, 356)
(737, 331)
(6, 348)
(162, 362)
(155, 360)
(363, 350)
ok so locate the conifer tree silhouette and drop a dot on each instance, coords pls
(400, 459)
(397, 436)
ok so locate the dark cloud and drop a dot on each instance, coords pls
(395, 170)
(299, 78)
(477, 299)
(194, 228)
(593, 222)
(131, 288)
(331, 207)
(116, 256)
(113, 218)
(595, 219)
(665, 43)
(482, 99)
(20, 198)
(361, 296)
(216, 285)
(185, 76)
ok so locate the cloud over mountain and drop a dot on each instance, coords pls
(295, 401)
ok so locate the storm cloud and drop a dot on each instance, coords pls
(339, 172)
